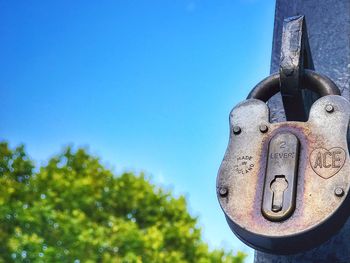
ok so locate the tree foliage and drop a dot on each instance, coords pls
(73, 209)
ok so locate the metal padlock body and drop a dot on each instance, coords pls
(318, 212)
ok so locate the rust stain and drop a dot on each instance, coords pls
(303, 132)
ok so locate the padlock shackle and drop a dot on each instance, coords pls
(313, 81)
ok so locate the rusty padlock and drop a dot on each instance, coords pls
(284, 186)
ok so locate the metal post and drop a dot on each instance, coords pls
(328, 24)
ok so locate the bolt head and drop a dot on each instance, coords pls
(223, 191)
(236, 130)
(329, 108)
(339, 191)
(263, 128)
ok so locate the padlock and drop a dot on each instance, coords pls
(284, 186)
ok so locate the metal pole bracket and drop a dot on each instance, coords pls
(295, 57)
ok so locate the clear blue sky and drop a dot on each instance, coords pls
(147, 85)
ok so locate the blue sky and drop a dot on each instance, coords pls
(146, 85)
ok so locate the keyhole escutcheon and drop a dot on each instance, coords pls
(279, 195)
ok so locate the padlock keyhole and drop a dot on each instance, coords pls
(278, 201)
(278, 185)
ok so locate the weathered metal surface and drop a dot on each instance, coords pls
(319, 212)
(281, 177)
(328, 30)
(328, 26)
(295, 57)
(312, 80)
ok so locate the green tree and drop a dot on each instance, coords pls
(73, 209)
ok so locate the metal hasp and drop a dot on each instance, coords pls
(295, 57)
(281, 177)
